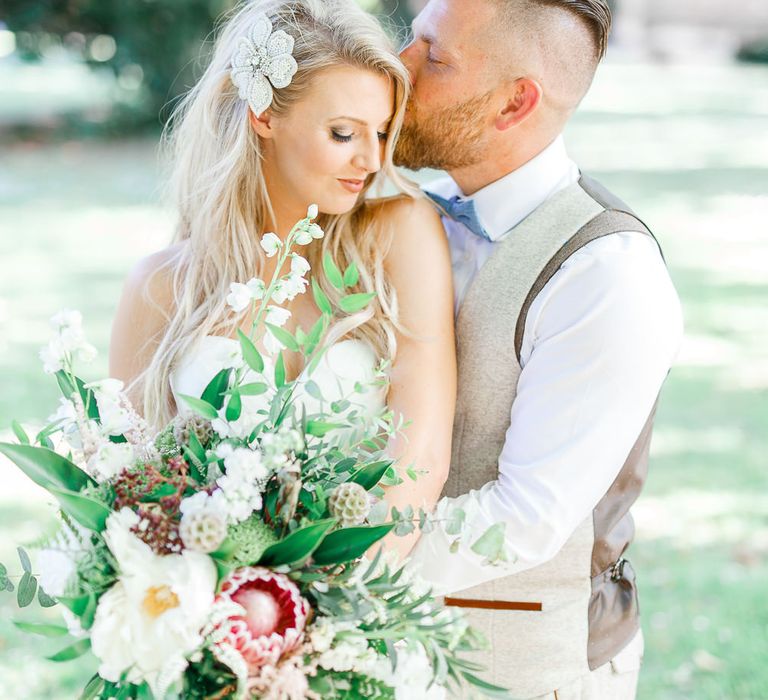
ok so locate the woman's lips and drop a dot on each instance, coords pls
(354, 186)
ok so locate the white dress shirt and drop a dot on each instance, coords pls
(598, 343)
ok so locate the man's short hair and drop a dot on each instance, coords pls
(594, 14)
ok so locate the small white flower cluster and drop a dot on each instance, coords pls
(67, 343)
(278, 448)
(238, 494)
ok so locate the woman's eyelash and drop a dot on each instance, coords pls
(342, 138)
(346, 138)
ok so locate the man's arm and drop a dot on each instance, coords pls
(599, 341)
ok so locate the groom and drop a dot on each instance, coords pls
(567, 324)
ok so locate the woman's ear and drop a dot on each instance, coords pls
(262, 124)
(525, 99)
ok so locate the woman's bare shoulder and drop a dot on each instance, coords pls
(151, 278)
(402, 207)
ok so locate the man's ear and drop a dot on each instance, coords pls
(262, 124)
(523, 102)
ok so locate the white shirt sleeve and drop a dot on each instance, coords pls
(599, 341)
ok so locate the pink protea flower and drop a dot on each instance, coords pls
(274, 620)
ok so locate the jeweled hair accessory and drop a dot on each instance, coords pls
(262, 61)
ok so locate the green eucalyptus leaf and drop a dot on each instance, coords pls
(44, 599)
(251, 355)
(332, 272)
(313, 390)
(200, 407)
(371, 474)
(26, 564)
(351, 275)
(349, 543)
(41, 628)
(234, 407)
(216, 389)
(355, 302)
(491, 543)
(46, 468)
(455, 522)
(87, 511)
(19, 432)
(297, 546)
(25, 593)
(73, 651)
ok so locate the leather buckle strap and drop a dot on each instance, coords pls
(617, 570)
(492, 604)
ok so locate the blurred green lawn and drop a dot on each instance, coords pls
(688, 147)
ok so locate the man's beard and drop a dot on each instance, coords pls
(450, 139)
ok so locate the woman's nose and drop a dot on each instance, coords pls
(369, 157)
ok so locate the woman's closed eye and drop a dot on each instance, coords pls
(346, 138)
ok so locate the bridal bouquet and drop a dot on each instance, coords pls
(224, 556)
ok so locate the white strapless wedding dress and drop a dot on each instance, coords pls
(347, 372)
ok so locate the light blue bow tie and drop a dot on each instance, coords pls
(463, 211)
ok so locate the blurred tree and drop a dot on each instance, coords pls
(161, 41)
(163, 37)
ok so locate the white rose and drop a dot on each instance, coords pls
(271, 244)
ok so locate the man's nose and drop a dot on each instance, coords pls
(409, 57)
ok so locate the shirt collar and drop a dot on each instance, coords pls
(503, 204)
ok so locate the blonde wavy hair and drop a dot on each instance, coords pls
(219, 189)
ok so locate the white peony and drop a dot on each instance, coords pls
(151, 619)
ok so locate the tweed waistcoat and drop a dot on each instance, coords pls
(578, 610)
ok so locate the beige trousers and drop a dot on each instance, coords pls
(616, 680)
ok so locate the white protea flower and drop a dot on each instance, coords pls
(277, 316)
(262, 61)
(271, 244)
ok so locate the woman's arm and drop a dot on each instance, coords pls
(140, 318)
(423, 376)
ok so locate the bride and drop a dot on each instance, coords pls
(301, 103)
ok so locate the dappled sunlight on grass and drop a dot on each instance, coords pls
(688, 148)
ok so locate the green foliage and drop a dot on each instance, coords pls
(297, 547)
(350, 543)
(45, 467)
